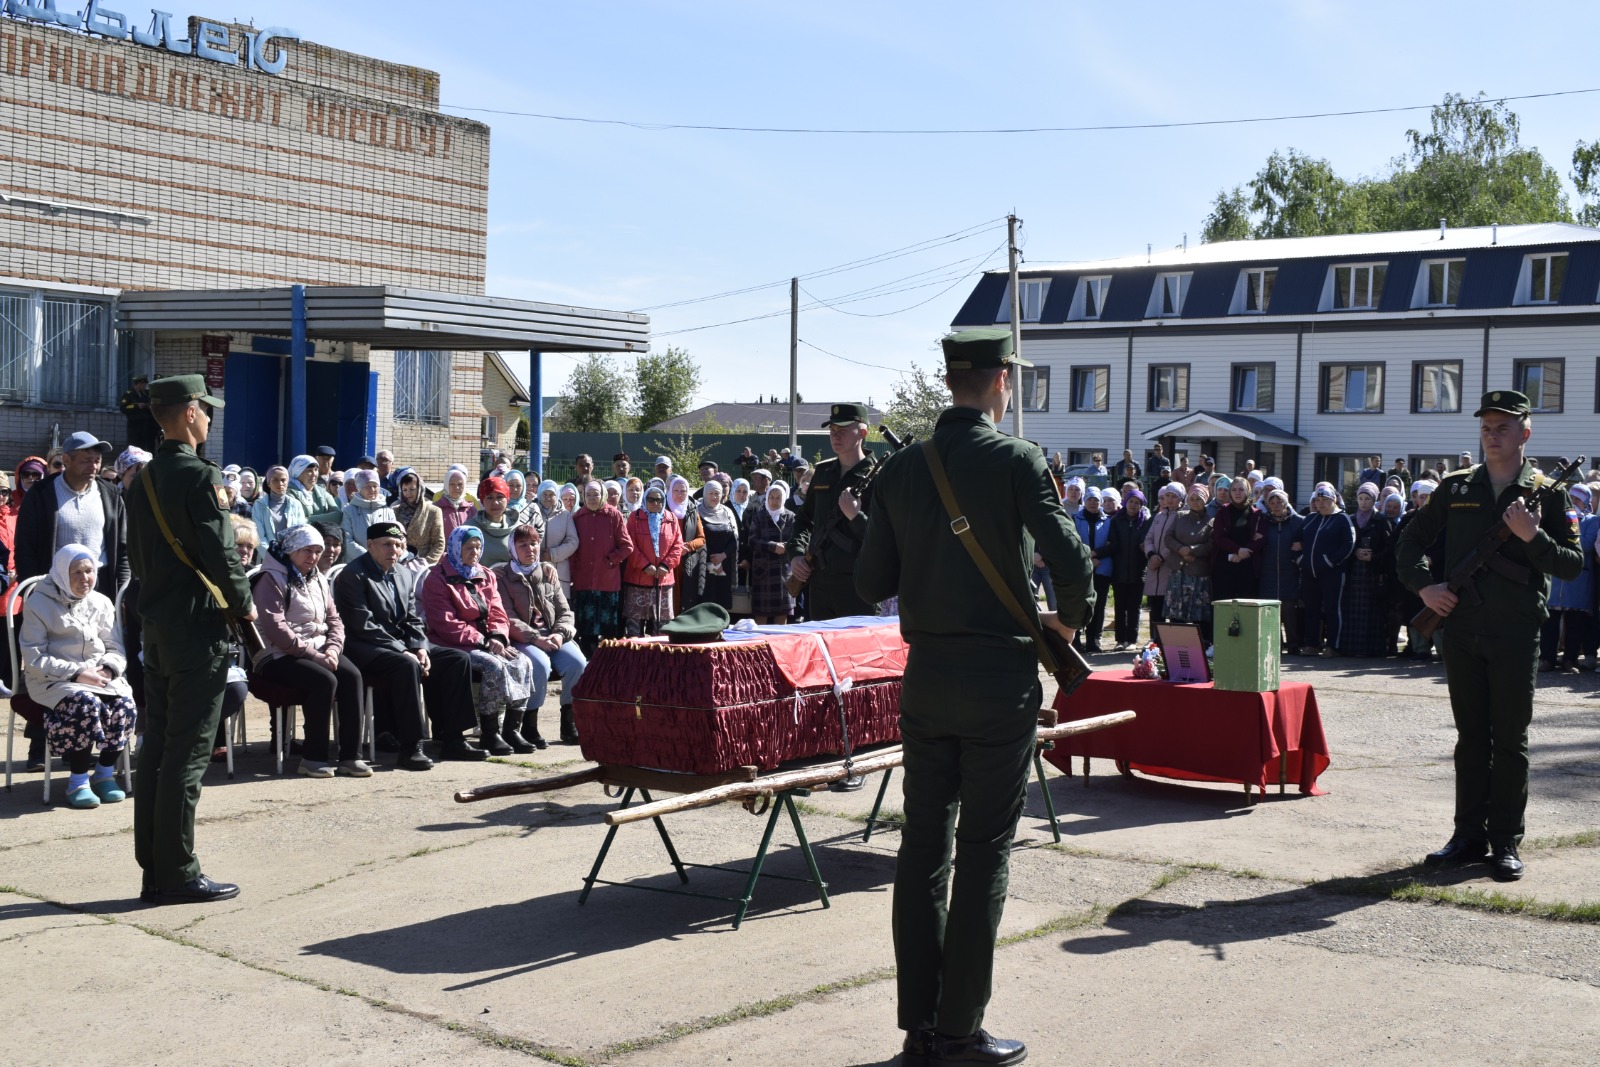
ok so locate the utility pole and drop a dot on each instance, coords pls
(1016, 329)
(794, 365)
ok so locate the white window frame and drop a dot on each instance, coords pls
(1177, 371)
(1090, 295)
(1371, 290)
(1539, 399)
(37, 320)
(1255, 369)
(1035, 389)
(1031, 299)
(490, 428)
(1254, 287)
(1168, 294)
(1097, 405)
(1537, 269)
(1423, 295)
(1323, 388)
(1438, 371)
(416, 397)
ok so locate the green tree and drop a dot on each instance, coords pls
(664, 386)
(524, 431)
(595, 398)
(919, 396)
(1586, 176)
(684, 452)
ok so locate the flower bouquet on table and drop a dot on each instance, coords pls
(1148, 662)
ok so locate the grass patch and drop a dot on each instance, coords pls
(1059, 925)
(1581, 839)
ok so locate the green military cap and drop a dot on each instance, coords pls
(1507, 400)
(976, 349)
(180, 388)
(700, 624)
(847, 415)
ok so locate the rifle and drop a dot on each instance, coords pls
(1463, 579)
(793, 584)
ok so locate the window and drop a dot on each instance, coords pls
(1436, 388)
(1358, 288)
(1442, 278)
(57, 349)
(1352, 387)
(1343, 471)
(1169, 387)
(1091, 388)
(1252, 386)
(1258, 290)
(1544, 275)
(1090, 299)
(421, 386)
(1031, 292)
(1541, 380)
(16, 344)
(1167, 296)
(1035, 388)
(491, 429)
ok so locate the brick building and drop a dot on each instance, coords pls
(300, 223)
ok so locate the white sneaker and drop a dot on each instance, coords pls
(354, 768)
(314, 769)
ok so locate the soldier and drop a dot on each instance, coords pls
(971, 697)
(1491, 646)
(135, 404)
(186, 640)
(830, 523)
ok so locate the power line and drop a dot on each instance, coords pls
(847, 359)
(1107, 127)
(900, 311)
(817, 304)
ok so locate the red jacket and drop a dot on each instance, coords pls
(603, 547)
(463, 614)
(644, 553)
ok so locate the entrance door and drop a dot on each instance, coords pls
(253, 387)
(338, 398)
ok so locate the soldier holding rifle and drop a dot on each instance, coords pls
(1492, 621)
(832, 520)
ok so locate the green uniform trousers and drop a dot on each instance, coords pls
(967, 722)
(184, 684)
(833, 596)
(1491, 681)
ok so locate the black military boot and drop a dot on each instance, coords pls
(489, 738)
(512, 730)
(569, 727)
(530, 729)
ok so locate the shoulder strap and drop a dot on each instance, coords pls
(963, 531)
(172, 540)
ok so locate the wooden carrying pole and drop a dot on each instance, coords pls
(524, 786)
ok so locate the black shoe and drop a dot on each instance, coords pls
(569, 726)
(1505, 865)
(1460, 852)
(197, 890)
(847, 785)
(35, 762)
(489, 738)
(415, 760)
(388, 742)
(512, 732)
(918, 1049)
(979, 1048)
(462, 750)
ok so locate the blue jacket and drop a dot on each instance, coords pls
(1280, 564)
(1094, 535)
(1578, 593)
(1329, 540)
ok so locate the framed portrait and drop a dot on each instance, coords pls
(1183, 651)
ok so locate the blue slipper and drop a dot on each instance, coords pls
(82, 797)
(106, 789)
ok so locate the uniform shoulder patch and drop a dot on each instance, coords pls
(222, 496)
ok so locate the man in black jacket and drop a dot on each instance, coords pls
(384, 637)
(76, 505)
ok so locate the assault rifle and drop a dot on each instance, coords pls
(825, 528)
(1487, 556)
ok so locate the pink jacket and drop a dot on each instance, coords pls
(644, 553)
(455, 514)
(463, 614)
(603, 547)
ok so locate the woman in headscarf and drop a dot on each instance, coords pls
(249, 489)
(517, 502)
(1125, 547)
(1188, 551)
(632, 495)
(368, 507)
(1407, 603)
(71, 648)
(691, 568)
(613, 490)
(132, 461)
(1566, 633)
(462, 609)
(561, 536)
(549, 501)
(1328, 538)
(647, 580)
(720, 529)
(1094, 530)
(275, 510)
(304, 639)
(454, 504)
(423, 521)
(543, 630)
(1158, 569)
(1072, 496)
(770, 530)
(496, 522)
(28, 474)
(739, 498)
(1361, 631)
(1280, 565)
(1219, 495)
(318, 504)
(1238, 533)
(603, 547)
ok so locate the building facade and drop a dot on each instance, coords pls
(1310, 355)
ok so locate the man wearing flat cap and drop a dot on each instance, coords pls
(832, 519)
(180, 542)
(971, 696)
(1491, 628)
(75, 506)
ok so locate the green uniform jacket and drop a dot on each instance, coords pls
(820, 509)
(1004, 488)
(1464, 509)
(175, 606)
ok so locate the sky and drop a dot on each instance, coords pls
(628, 218)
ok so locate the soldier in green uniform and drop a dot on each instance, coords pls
(1491, 645)
(186, 641)
(971, 697)
(832, 522)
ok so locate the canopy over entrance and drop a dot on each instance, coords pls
(1210, 424)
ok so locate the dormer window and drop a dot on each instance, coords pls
(1254, 291)
(1357, 287)
(1089, 299)
(1166, 299)
(1541, 278)
(1031, 293)
(1439, 283)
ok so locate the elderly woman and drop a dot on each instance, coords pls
(1126, 546)
(603, 547)
(318, 504)
(1280, 565)
(561, 536)
(246, 544)
(1187, 549)
(549, 501)
(275, 510)
(691, 566)
(1328, 537)
(1158, 570)
(1094, 530)
(770, 530)
(304, 639)
(613, 494)
(462, 608)
(249, 489)
(1361, 631)
(1072, 496)
(517, 500)
(1407, 603)
(720, 528)
(130, 463)
(420, 516)
(369, 506)
(495, 520)
(739, 498)
(648, 578)
(543, 630)
(1237, 535)
(72, 656)
(454, 504)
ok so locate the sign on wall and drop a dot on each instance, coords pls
(265, 50)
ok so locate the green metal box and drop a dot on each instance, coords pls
(1245, 637)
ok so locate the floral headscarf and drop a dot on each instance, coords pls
(452, 551)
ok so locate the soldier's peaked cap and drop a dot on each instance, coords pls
(980, 349)
(181, 388)
(1507, 400)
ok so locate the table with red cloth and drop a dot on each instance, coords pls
(1195, 732)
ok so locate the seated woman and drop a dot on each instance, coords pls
(543, 629)
(233, 697)
(332, 545)
(304, 637)
(462, 608)
(318, 504)
(421, 517)
(368, 507)
(275, 510)
(647, 577)
(71, 649)
(456, 505)
(496, 522)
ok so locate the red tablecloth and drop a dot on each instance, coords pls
(1198, 733)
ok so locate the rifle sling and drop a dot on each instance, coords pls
(963, 531)
(172, 540)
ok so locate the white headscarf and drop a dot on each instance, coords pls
(673, 506)
(61, 567)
